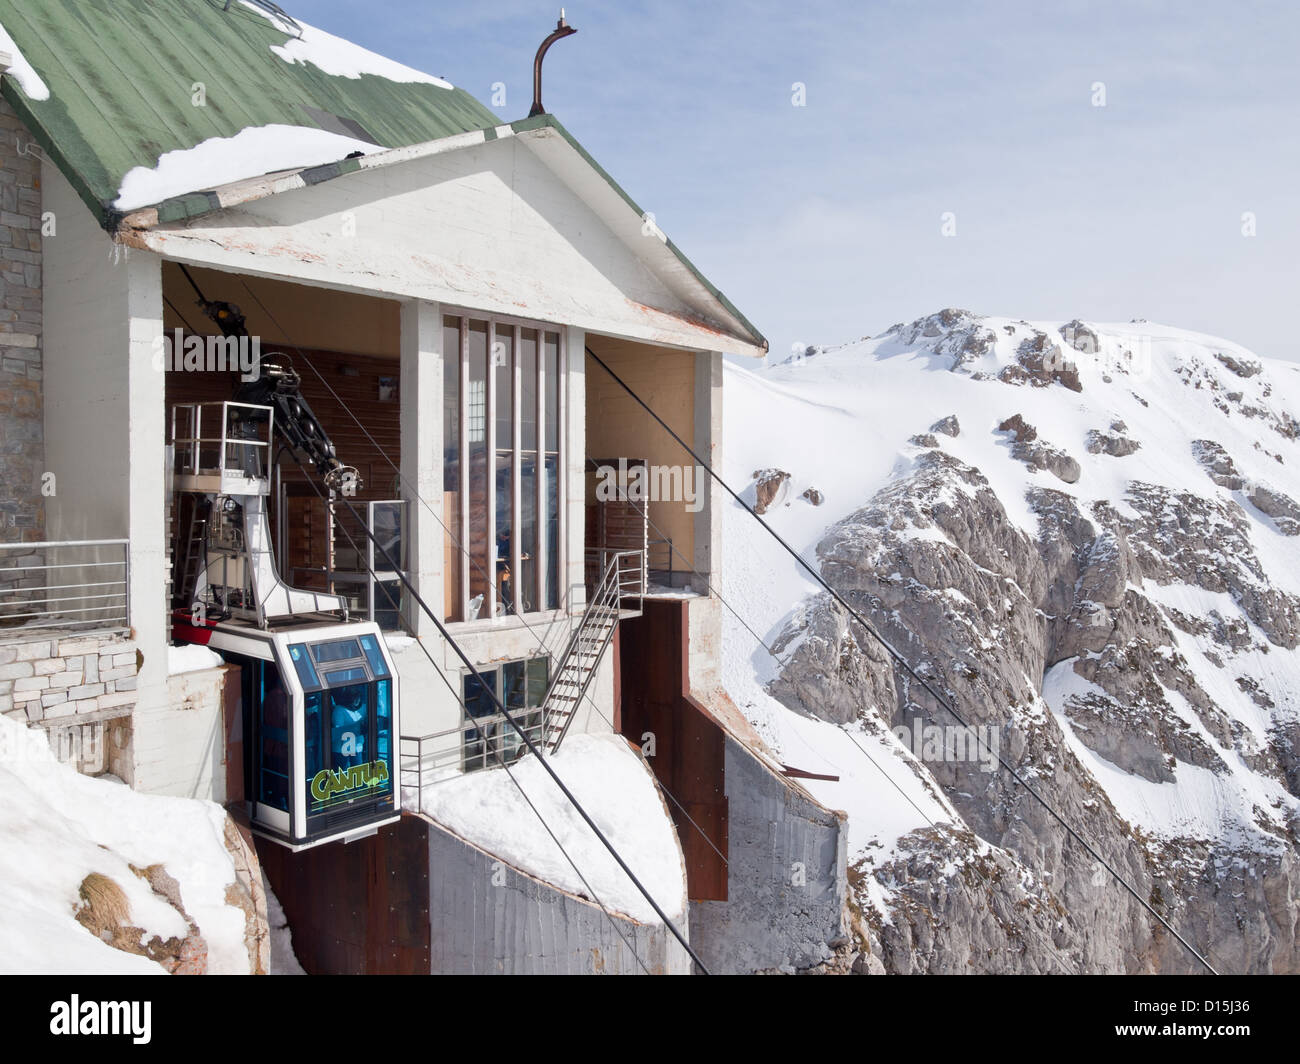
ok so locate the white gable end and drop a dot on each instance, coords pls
(491, 226)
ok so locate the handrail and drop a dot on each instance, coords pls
(29, 603)
(623, 575)
(65, 543)
(603, 604)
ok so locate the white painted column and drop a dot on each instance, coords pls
(421, 433)
(574, 429)
(104, 431)
(158, 768)
(708, 445)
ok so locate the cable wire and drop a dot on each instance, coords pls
(469, 665)
(900, 660)
(486, 740)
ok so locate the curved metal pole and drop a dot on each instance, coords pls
(562, 29)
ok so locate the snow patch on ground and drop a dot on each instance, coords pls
(57, 826)
(1198, 804)
(619, 794)
(32, 84)
(218, 161)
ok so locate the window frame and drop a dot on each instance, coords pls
(495, 730)
(515, 325)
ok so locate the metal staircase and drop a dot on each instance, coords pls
(622, 575)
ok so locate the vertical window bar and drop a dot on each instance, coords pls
(490, 578)
(516, 480)
(462, 548)
(562, 473)
(543, 555)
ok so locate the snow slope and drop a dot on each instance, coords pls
(618, 792)
(57, 826)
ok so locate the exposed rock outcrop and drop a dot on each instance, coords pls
(991, 617)
(769, 486)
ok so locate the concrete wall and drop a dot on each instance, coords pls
(196, 732)
(618, 428)
(489, 918)
(104, 431)
(786, 876)
(707, 443)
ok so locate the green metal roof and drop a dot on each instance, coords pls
(120, 75)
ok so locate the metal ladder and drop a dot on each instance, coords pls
(191, 546)
(622, 575)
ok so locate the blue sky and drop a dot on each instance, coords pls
(823, 222)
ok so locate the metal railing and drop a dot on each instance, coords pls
(483, 743)
(630, 574)
(623, 575)
(428, 759)
(237, 444)
(358, 571)
(81, 585)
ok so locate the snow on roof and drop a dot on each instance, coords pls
(30, 81)
(57, 826)
(336, 56)
(619, 794)
(220, 160)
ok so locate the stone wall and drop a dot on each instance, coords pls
(22, 449)
(80, 688)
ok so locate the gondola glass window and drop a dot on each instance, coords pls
(503, 466)
(348, 722)
(489, 739)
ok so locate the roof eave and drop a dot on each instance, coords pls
(197, 204)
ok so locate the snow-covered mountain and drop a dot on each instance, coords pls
(1087, 537)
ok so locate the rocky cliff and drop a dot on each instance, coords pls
(1086, 539)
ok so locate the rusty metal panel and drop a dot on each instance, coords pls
(690, 747)
(360, 908)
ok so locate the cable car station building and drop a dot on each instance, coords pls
(442, 310)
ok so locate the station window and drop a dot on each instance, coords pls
(489, 739)
(503, 466)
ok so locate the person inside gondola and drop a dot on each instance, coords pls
(348, 725)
